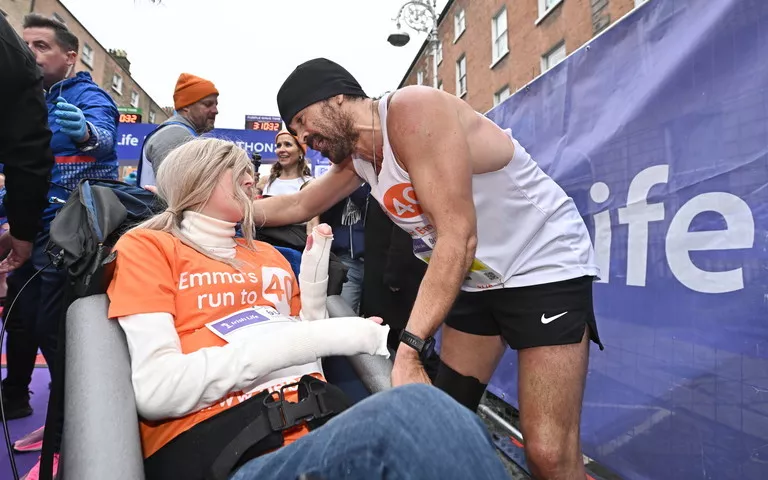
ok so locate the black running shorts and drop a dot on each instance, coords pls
(534, 316)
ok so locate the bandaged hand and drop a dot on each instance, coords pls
(313, 275)
(71, 120)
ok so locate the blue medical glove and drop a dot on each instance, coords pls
(71, 120)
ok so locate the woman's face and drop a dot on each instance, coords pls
(288, 151)
(223, 203)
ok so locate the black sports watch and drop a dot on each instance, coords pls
(425, 347)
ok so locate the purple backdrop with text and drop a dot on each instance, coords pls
(659, 130)
(130, 137)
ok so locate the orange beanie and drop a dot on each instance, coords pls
(302, 147)
(191, 89)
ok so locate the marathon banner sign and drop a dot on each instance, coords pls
(658, 129)
(130, 138)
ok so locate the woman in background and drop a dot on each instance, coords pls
(291, 171)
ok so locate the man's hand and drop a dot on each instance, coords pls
(71, 120)
(408, 368)
(20, 251)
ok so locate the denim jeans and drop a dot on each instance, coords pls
(410, 432)
(352, 291)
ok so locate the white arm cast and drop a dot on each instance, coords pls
(313, 277)
(168, 383)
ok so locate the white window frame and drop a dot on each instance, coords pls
(546, 63)
(152, 116)
(117, 86)
(459, 24)
(502, 94)
(420, 77)
(461, 62)
(135, 98)
(546, 7)
(499, 38)
(439, 53)
(639, 2)
(87, 55)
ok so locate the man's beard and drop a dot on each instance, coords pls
(341, 143)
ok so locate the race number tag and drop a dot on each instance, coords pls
(479, 276)
(244, 324)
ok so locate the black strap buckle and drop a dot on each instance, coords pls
(283, 415)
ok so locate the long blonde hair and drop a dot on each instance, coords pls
(186, 180)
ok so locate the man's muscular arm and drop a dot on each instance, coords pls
(338, 183)
(427, 138)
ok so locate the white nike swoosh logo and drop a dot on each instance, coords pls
(546, 320)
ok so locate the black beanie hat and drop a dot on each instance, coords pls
(313, 81)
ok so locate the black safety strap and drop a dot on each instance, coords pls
(318, 401)
(54, 422)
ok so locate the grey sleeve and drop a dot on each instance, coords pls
(161, 144)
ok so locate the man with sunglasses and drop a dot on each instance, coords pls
(83, 121)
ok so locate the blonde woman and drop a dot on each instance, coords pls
(181, 283)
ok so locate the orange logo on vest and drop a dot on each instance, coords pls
(400, 200)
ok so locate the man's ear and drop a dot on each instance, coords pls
(71, 58)
(339, 99)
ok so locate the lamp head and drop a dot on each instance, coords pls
(399, 38)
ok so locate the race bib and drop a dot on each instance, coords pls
(244, 324)
(479, 276)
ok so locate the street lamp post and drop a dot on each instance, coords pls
(420, 15)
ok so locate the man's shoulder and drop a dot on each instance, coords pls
(86, 90)
(414, 94)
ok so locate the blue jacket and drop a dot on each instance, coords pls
(348, 239)
(72, 162)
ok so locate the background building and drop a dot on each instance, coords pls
(109, 68)
(491, 48)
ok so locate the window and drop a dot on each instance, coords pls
(440, 53)
(420, 77)
(461, 76)
(500, 42)
(555, 56)
(87, 56)
(546, 6)
(135, 99)
(151, 116)
(56, 16)
(117, 83)
(459, 24)
(501, 95)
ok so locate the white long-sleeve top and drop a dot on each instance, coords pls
(169, 383)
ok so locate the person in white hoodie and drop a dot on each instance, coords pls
(225, 346)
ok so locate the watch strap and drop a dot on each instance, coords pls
(412, 341)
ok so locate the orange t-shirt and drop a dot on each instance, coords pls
(155, 272)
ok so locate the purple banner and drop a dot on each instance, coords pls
(659, 131)
(130, 137)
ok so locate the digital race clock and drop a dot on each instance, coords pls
(130, 118)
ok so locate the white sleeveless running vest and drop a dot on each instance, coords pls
(529, 231)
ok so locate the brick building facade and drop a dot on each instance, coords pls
(109, 68)
(491, 48)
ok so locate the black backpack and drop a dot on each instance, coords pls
(87, 227)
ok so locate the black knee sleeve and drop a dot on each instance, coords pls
(466, 390)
